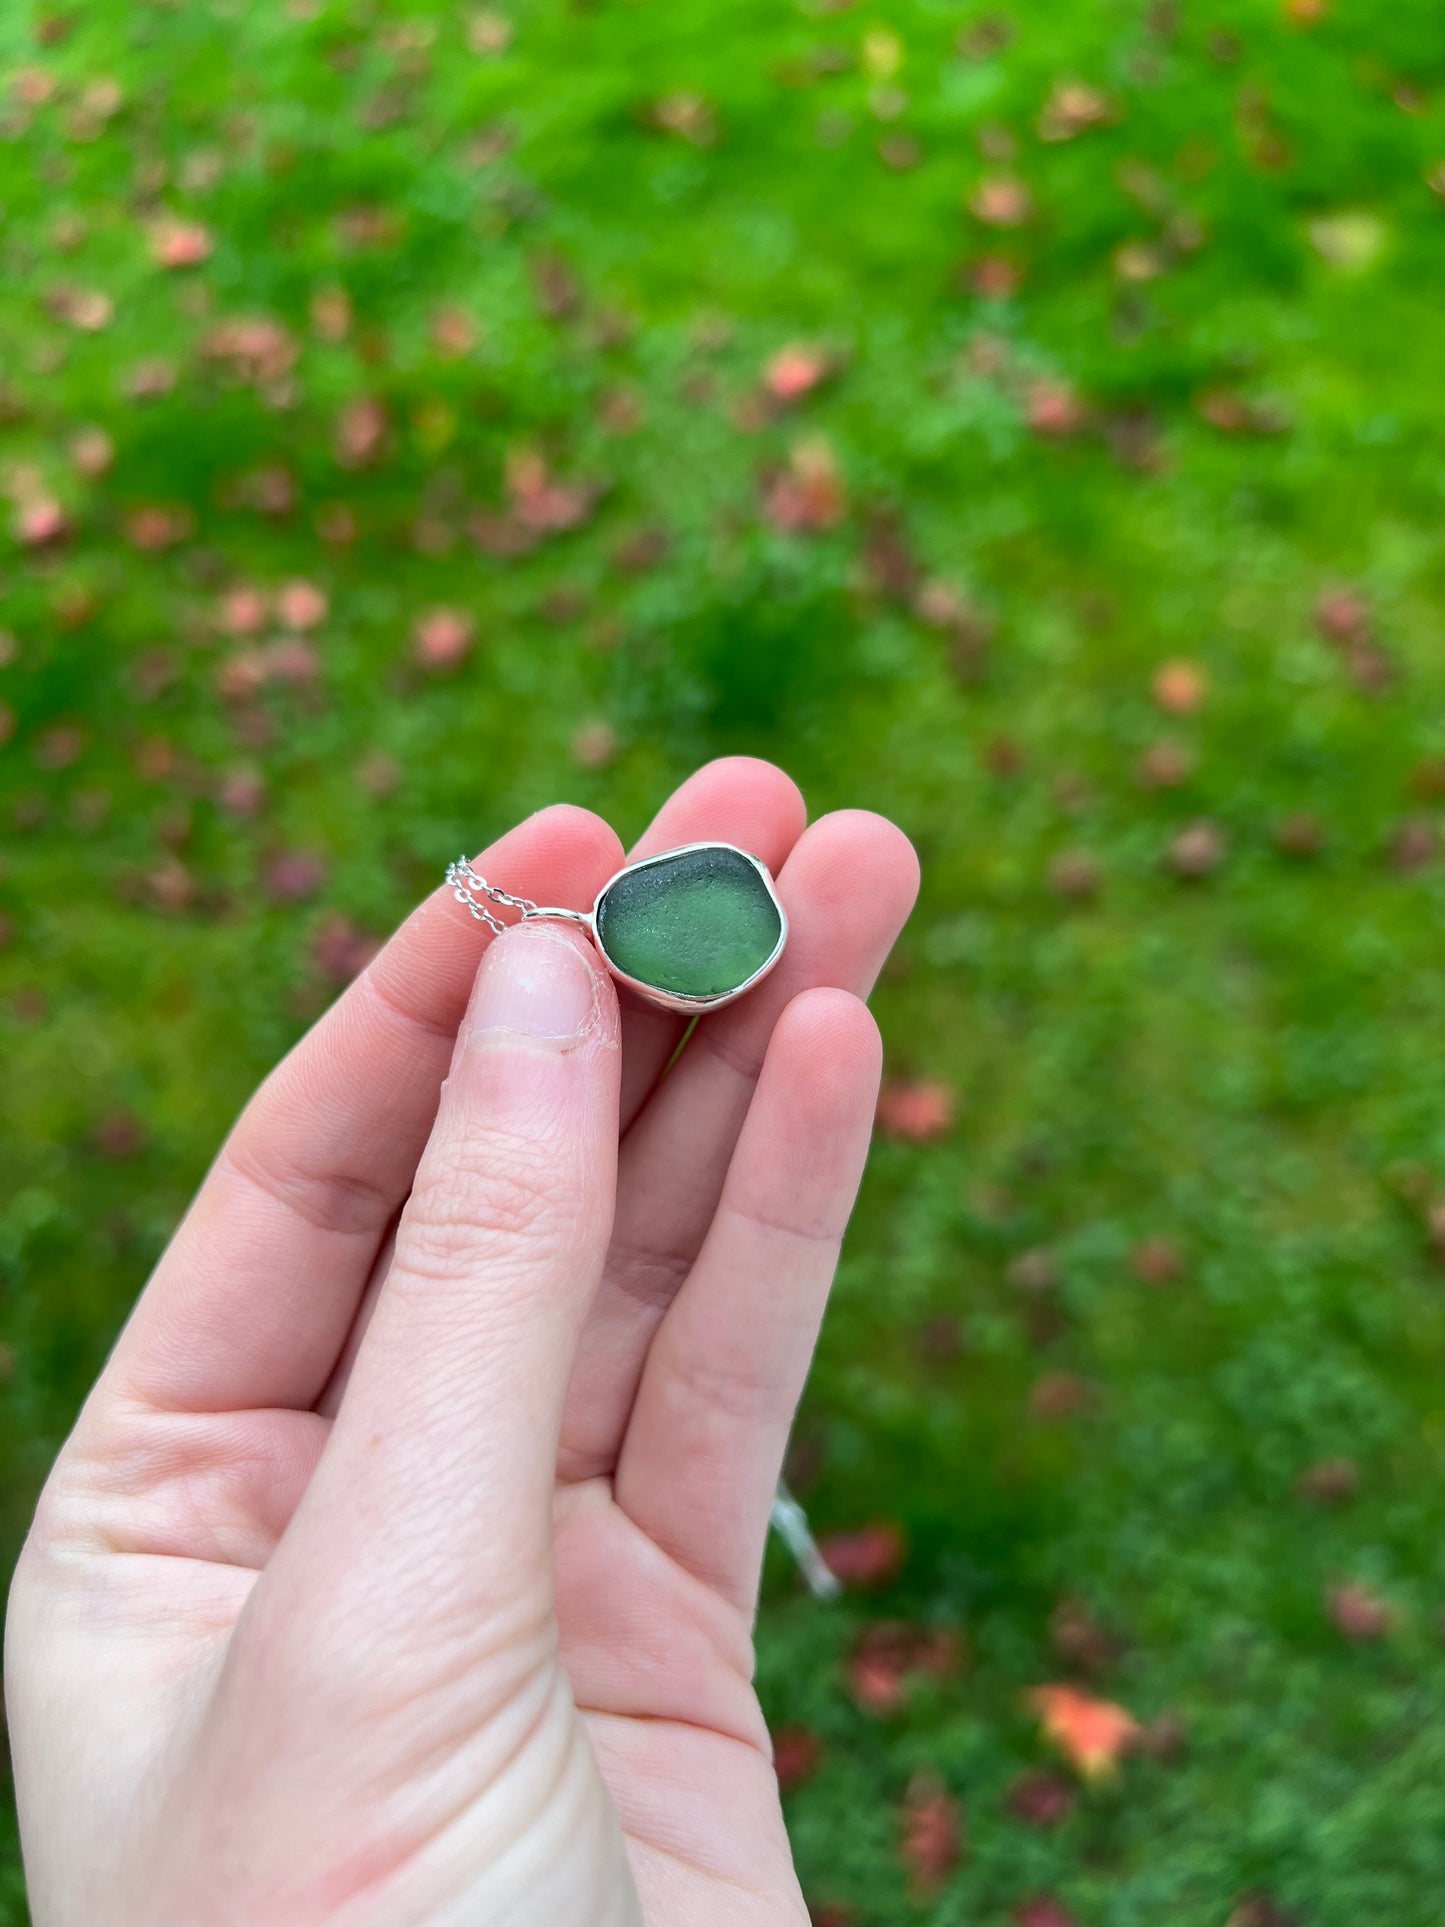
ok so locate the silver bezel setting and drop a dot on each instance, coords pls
(671, 1000)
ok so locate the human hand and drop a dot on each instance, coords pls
(400, 1569)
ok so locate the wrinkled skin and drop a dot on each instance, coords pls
(401, 1568)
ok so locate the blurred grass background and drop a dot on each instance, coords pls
(1025, 422)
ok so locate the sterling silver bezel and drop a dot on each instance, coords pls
(672, 1000)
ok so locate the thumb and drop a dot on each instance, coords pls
(438, 1476)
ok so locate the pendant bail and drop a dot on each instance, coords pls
(533, 911)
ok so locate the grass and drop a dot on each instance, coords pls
(530, 267)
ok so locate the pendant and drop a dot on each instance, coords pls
(687, 930)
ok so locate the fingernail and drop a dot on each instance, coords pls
(534, 983)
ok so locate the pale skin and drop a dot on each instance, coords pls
(401, 1568)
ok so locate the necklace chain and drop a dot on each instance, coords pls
(466, 885)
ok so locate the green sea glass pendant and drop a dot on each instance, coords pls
(689, 929)
(692, 928)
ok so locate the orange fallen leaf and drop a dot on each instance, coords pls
(1180, 687)
(1091, 1733)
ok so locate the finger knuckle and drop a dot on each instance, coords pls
(475, 1195)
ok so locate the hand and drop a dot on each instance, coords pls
(400, 1570)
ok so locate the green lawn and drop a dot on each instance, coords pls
(1115, 341)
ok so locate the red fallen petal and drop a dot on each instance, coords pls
(870, 1556)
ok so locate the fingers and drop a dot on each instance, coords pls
(737, 799)
(439, 1474)
(252, 1303)
(709, 1426)
(848, 888)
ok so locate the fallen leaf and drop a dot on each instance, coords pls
(1041, 1800)
(1157, 1261)
(442, 639)
(689, 116)
(797, 1753)
(917, 1112)
(119, 1135)
(294, 875)
(1414, 844)
(1076, 875)
(1180, 687)
(92, 451)
(1078, 1638)
(340, 950)
(1052, 408)
(159, 526)
(1299, 834)
(454, 333)
(870, 1556)
(890, 1654)
(301, 605)
(41, 523)
(932, 1833)
(1061, 1395)
(1034, 1271)
(1359, 1613)
(1092, 1734)
(361, 432)
(1197, 850)
(1001, 200)
(1071, 109)
(808, 494)
(180, 244)
(594, 745)
(1042, 1912)
(796, 371)
(1258, 1910)
(1330, 1482)
(86, 309)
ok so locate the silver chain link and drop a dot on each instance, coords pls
(465, 885)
